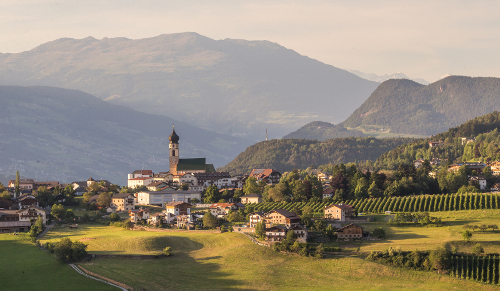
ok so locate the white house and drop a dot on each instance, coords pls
(166, 196)
(143, 181)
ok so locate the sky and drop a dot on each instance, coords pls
(422, 39)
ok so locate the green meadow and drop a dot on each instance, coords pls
(229, 261)
(25, 267)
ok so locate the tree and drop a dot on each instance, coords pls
(235, 217)
(44, 197)
(291, 236)
(5, 195)
(16, 184)
(319, 251)
(104, 199)
(87, 196)
(379, 232)
(251, 186)
(440, 259)
(209, 220)
(330, 232)
(320, 225)
(276, 193)
(58, 211)
(67, 251)
(260, 229)
(69, 214)
(478, 249)
(36, 228)
(94, 188)
(184, 186)
(374, 191)
(211, 194)
(115, 217)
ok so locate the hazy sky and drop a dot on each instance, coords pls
(424, 39)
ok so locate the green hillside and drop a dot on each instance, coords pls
(403, 106)
(485, 147)
(287, 154)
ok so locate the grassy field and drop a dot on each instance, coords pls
(25, 267)
(229, 261)
(409, 238)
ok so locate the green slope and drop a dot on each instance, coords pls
(287, 154)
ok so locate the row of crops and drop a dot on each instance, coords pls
(478, 268)
(423, 203)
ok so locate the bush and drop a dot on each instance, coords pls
(167, 251)
(114, 217)
(478, 249)
(379, 233)
(49, 247)
(67, 251)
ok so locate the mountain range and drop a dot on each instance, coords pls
(66, 135)
(229, 86)
(385, 77)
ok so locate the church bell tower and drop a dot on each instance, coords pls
(173, 152)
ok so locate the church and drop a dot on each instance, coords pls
(182, 166)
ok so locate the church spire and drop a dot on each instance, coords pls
(173, 138)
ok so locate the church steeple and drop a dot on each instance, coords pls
(173, 152)
(173, 138)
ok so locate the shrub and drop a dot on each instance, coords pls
(114, 217)
(167, 251)
(67, 251)
(478, 249)
(379, 232)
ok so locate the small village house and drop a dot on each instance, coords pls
(340, 212)
(20, 220)
(281, 217)
(138, 214)
(251, 198)
(178, 208)
(351, 231)
(123, 202)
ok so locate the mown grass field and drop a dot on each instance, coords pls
(229, 261)
(25, 267)
(409, 238)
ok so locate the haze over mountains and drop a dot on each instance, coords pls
(67, 135)
(229, 86)
(380, 79)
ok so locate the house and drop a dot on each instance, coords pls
(281, 217)
(222, 209)
(219, 179)
(23, 183)
(276, 233)
(418, 163)
(328, 193)
(105, 183)
(435, 143)
(351, 231)
(163, 197)
(178, 208)
(156, 218)
(20, 220)
(26, 200)
(475, 166)
(140, 174)
(466, 140)
(187, 178)
(477, 180)
(123, 202)
(164, 176)
(93, 199)
(300, 232)
(495, 187)
(269, 175)
(251, 198)
(338, 211)
(79, 187)
(138, 214)
(155, 186)
(142, 181)
(322, 176)
(185, 221)
(495, 168)
(256, 217)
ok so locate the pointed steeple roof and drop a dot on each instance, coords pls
(173, 138)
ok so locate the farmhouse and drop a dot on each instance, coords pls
(328, 193)
(20, 220)
(222, 209)
(477, 180)
(251, 198)
(255, 218)
(269, 175)
(281, 217)
(138, 214)
(123, 202)
(178, 208)
(338, 211)
(276, 233)
(301, 233)
(351, 231)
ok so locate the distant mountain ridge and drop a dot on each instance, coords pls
(380, 79)
(66, 135)
(406, 107)
(322, 131)
(229, 86)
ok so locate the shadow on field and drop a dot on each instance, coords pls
(460, 222)
(180, 271)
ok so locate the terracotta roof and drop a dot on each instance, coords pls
(342, 228)
(143, 172)
(262, 173)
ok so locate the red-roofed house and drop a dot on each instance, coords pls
(269, 175)
(140, 174)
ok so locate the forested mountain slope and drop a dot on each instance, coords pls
(287, 154)
(228, 86)
(485, 147)
(66, 135)
(404, 106)
(322, 131)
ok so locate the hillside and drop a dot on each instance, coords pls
(67, 135)
(287, 154)
(228, 86)
(403, 106)
(486, 146)
(322, 131)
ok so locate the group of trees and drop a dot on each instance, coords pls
(212, 194)
(290, 244)
(67, 251)
(422, 218)
(439, 259)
